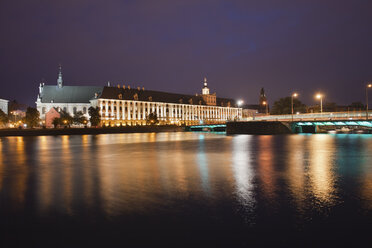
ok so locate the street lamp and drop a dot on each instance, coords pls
(320, 96)
(240, 103)
(293, 95)
(368, 86)
(267, 106)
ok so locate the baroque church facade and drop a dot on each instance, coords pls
(123, 105)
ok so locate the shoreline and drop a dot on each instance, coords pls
(90, 130)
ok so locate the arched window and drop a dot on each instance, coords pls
(64, 109)
(43, 110)
(74, 110)
(84, 110)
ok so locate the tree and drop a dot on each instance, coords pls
(56, 121)
(3, 118)
(79, 118)
(283, 106)
(66, 119)
(329, 107)
(152, 119)
(357, 106)
(95, 117)
(32, 117)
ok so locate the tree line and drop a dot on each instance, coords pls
(283, 106)
(32, 118)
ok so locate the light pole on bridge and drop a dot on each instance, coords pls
(368, 86)
(320, 96)
(293, 95)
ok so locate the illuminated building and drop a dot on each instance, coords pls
(4, 105)
(123, 105)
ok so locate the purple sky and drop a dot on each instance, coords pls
(240, 46)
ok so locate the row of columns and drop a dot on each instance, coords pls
(137, 110)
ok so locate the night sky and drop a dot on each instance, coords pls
(240, 46)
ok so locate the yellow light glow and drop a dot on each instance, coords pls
(294, 94)
(369, 85)
(264, 102)
(318, 96)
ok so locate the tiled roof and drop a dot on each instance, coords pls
(157, 96)
(69, 94)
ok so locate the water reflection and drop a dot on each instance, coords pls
(203, 165)
(321, 168)
(243, 171)
(295, 173)
(125, 173)
(266, 170)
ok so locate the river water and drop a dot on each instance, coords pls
(186, 190)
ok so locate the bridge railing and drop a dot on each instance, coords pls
(312, 116)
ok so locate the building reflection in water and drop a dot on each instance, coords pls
(366, 180)
(266, 168)
(141, 172)
(243, 171)
(321, 169)
(202, 162)
(295, 170)
(44, 175)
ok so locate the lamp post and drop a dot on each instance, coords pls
(320, 96)
(240, 103)
(293, 95)
(368, 86)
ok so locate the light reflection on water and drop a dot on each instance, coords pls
(118, 174)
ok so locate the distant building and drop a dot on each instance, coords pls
(123, 105)
(263, 103)
(4, 105)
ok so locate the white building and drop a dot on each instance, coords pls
(70, 99)
(4, 105)
(122, 105)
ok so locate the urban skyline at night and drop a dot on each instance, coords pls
(170, 46)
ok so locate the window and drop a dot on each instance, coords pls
(43, 110)
(74, 110)
(84, 110)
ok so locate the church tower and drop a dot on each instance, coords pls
(209, 99)
(59, 80)
(205, 90)
(264, 105)
(262, 97)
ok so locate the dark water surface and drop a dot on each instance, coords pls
(186, 189)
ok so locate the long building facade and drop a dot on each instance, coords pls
(122, 105)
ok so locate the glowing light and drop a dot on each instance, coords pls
(319, 96)
(294, 94)
(240, 102)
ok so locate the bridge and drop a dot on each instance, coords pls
(302, 123)
(351, 115)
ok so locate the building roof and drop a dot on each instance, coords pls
(69, 94)
(158, 96)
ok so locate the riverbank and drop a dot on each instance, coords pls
(80, 131)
